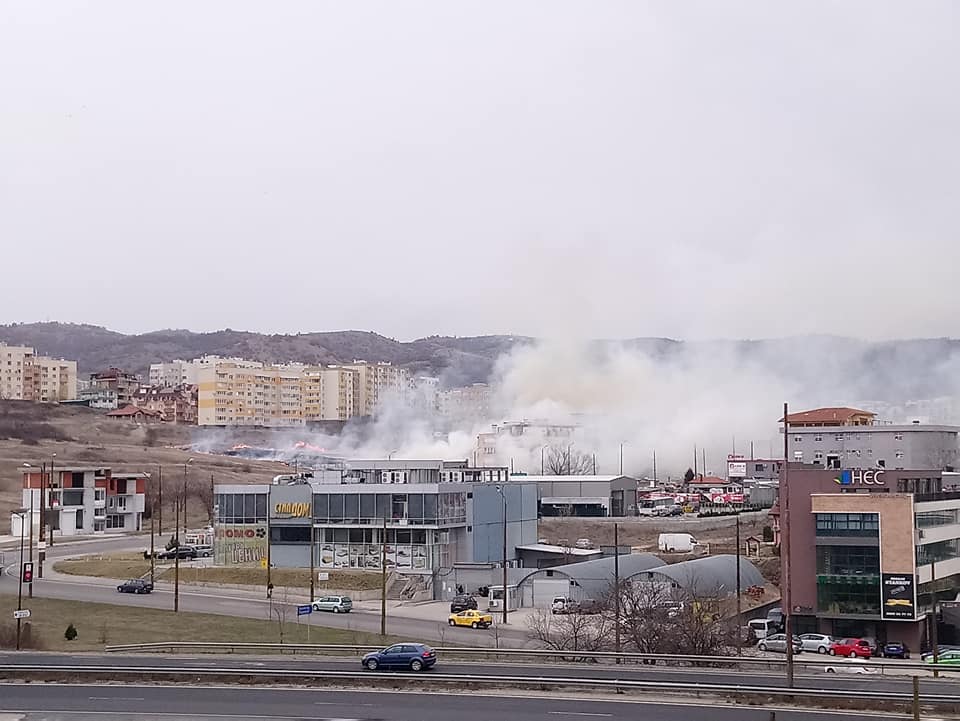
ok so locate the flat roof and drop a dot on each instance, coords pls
(564, 550)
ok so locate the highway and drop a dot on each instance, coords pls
(129, 702)
(635, 672)
(231, 602)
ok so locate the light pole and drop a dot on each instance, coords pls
(504, 499)
(30, 486)
(21, 512)
(52, 456)
(185, 465)
(542, 449)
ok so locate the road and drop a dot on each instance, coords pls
(53, 702)
(532, 669)
(233, 602)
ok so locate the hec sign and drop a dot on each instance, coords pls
(293, 510)
(860, 477)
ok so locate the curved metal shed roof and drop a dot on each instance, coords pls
(707, 576)
(596, 577)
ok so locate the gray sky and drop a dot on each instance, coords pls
(599, 168)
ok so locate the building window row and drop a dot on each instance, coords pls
(425, 508)
(931, 519)
(241, 507)
(848, 524)
(937, 552)
(859, 561)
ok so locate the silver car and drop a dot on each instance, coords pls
(778, 642)
(815, 642)
(334, 604)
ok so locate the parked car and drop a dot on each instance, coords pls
(763, 627)
(334, 604)
(135, 585)
(851, 648)
(472, 618)
(412, 656)
(895, 649)
(816, 642)
(778, 642)
(184, 552)
(562, 604)
(204, 551)
(946, 656)
(462, 603)
(583, 543)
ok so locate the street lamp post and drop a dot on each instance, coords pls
(30, 487)
(503, 497)
(52, 456)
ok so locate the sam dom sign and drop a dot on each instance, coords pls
(291, 510)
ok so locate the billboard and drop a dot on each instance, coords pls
(736, 469)
(240, 544)
(898, 596)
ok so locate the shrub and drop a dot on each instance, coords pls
(70, 633)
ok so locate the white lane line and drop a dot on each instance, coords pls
(577, 713)
(116, 698)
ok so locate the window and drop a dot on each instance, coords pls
(838, 438)
(898, 454)
(898, 436)
(115, 521)
(759, 468)
(290, 534)
(798, 439)
(937, 552)
(818, 456)
(818, 438)
(930, 519)
(848, 560)
(848, 524)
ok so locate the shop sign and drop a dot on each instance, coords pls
(291, 510)
(897, 596)
(860, 477)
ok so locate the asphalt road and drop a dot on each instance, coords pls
(52, 702)
(234, 602)
(636, 672)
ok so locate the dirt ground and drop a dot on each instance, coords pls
(32, 433)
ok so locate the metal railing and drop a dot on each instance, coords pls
(463, 681)
(537, 653)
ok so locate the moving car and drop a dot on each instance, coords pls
(184, 552)
(895, 649)
(851, 648)
(584, 543)
(850, 668)
(778, 642)
(472, 618)
(816, 642)
(462, 602)
(947, 657)
(135, 585)
(334, 604)
(412, 656)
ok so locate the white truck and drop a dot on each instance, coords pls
(676, 542)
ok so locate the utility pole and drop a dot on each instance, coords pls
(160, 498)
(52, 456)
(176, 555)
(41, 551)
(383, 579)
(616, 587)
(542, 449)
(695, 463)
(739, 602)
(30, 484)
(621, 459)
(20, 589)
(504, 497)
(785, 546)
(654, 466)
(934, 631)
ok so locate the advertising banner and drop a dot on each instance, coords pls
(898, 596)
(736, 469)
(240, 544)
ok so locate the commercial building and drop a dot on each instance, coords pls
(865, 546)
(82, 500)
(585, 495)
(425, 516)
(28, 377)
(850, 438)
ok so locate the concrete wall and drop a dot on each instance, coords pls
(486, 511)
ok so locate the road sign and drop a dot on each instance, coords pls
(323, 576)
(42, 545)
(263, 563)
(304, 610)
(27, 572)
(22, 613)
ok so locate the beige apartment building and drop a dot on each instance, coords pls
(29, 377)
(232, 394)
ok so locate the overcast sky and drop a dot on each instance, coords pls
(599, 168)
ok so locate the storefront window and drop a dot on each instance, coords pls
(848, 524)
(930, 519)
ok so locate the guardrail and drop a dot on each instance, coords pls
(553, 654)
(467, 680)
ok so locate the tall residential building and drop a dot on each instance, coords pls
(125, 384)
(378, 382)
(231, 395)
(29, 377)
(465, 404)
(330, 394)
(185, 372)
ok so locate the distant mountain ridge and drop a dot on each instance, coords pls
(827, 369)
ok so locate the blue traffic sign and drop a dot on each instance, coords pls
(304, 610)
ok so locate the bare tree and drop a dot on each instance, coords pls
(571, 632)
(565, 461)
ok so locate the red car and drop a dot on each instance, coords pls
(850, 647)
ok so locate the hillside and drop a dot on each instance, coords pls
(458, 360)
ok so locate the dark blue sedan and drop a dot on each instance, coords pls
(895, 649)
(409, 656)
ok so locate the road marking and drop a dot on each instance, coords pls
(577, 713)
(116, 698)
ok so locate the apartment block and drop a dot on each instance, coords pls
(80, 500)
(175, 404)
(186, 372)
(123, 383)
(232, 395)
(330, 394)
(29, 377)
(378, 382)
(467, 403)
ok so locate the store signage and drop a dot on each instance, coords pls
(860, 477)
(294, 510)
(736, 469)
(897, 596)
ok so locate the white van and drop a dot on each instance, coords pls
(676, 542)
(763, 627)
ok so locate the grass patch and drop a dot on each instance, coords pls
(132, 565)
(101, 624)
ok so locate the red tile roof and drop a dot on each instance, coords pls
(829, 416)
(132, 411)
